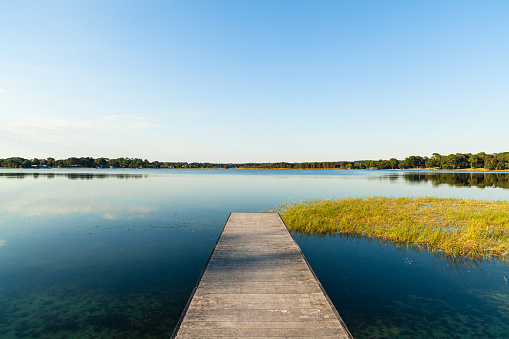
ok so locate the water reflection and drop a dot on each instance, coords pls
(63, 201)
(102, 258)
(468, 179)
(81, 257)
(459, 264)
(71, 176)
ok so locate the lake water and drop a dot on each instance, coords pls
(116, 253)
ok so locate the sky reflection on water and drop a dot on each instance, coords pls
(92, 252)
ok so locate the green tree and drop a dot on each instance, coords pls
(462, 160)
(434, 161)
(490, 162)
(480, 159)
(473, 158)
(113, 163)
(137, 163)
(449, 162)
(404, 164)
(87, 162)
(393, 162)
(370, 164)
(101, 162)
(383, 164)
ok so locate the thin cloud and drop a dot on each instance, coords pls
(142, 124)
(67, 132)
(2, 90)
(51, 130)
(111, 117)
(130, 121)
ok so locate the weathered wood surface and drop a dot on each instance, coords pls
(257, 284)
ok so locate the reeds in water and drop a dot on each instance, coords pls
(471, 228)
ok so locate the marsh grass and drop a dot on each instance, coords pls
(467, 228)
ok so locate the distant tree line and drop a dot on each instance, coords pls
(495, 161)
(89, 162)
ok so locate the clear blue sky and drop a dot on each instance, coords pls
(239, 81)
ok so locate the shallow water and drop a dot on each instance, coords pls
(381, 291)
(116, 253)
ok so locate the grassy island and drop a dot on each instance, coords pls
(470, 228)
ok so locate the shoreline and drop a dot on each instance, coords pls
(258, 168)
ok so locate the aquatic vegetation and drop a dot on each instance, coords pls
(470, 228)
(70, 311)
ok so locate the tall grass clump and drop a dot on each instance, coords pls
(471, 228)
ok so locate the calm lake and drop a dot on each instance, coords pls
(116, 253)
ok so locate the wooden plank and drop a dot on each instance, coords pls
(257, 284)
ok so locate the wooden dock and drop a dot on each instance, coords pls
(257, 284)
